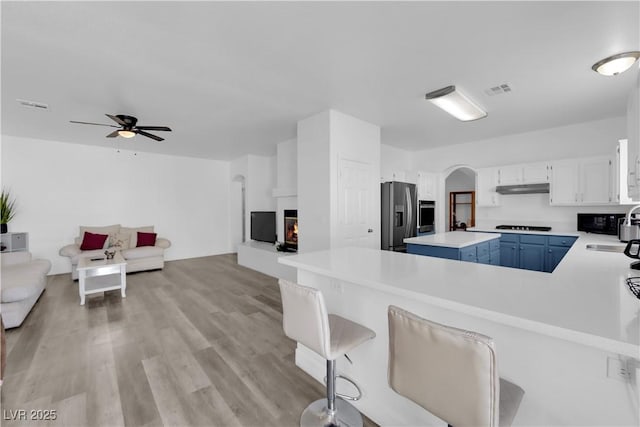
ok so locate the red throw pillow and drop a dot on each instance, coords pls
(92, 241)
(146, 239)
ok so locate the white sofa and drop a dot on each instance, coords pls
(23, 281)
(123, 239)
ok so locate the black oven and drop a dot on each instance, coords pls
(599, 223)
(426, 216)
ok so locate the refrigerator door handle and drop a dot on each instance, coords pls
(407, 227)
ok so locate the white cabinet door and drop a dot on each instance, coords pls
(486, 181)
(535, 173)
(510, 175)
(427, 186)
(595, 181)
(564, 182)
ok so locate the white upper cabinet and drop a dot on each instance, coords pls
(585, 181)
(564, 182)
(535, 173)
(530, 173)
(486, 181)
(595, 181)
(427, 185)
(510, 175)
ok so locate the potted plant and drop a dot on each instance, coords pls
(7, 209)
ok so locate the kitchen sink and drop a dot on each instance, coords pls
(606, 248)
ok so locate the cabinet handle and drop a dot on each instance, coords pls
(550, 250)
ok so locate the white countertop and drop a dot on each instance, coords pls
(453, 239)
(544, 233)
(585, 299)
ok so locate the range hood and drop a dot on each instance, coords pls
(523, 188)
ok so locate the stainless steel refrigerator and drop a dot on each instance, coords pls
(398, 203)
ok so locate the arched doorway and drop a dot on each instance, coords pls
(460, 188)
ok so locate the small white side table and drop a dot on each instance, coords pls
(102, 275)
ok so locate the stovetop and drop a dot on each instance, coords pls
(523, 227)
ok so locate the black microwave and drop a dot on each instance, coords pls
(599, 223)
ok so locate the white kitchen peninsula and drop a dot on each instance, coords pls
(554, 332)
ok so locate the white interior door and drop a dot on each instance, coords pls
(357, 189)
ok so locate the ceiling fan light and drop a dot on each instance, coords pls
(616, 64)
(456, 103)
(126, 133)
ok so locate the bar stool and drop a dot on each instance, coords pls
(450, 372)
(305, 320)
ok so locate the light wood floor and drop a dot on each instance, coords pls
(199, 343)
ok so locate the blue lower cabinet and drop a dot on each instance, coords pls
(480, 253)
(509, 254)
(434, 251)
(532, 256)
(554, 256)
(494, 257)
(469, 254)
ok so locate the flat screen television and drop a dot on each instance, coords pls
(263, 226)
(291, 229)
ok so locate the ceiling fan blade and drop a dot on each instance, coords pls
(163, 128)
(116, 119)
(148, 135)
(113, 134)
(89, 123)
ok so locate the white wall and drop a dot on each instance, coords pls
(313, 183)
(287, 179)
(60, 186)
(579, 140)
(394, 160)
(259, 174)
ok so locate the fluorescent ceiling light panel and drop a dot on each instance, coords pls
(456, 103)
(616, 64)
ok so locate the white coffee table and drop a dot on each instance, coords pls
(102, 275)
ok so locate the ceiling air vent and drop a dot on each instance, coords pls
(33, 104)
(498, 90)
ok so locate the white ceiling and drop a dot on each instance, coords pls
(232, 78)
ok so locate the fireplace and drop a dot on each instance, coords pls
(291, 229)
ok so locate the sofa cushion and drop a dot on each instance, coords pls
(146, 239)
(109, 230)
(120, 241)
(142, 252)
(92, 241)
(22, 281)
(133, 231)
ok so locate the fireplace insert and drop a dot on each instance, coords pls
(291, 229)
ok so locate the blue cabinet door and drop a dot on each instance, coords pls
(494, 256)
(554, 256)
(509, 254)
(532, 256)
(469, 254)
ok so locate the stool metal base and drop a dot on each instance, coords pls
(317, 415)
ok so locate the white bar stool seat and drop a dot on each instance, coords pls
(450, 372)
(305, 320)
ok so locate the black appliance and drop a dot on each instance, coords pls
(426, 216)
(398, 216)
(599, 223)
(263, 226)
(523, 227)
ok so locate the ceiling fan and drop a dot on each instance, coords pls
(128, 127)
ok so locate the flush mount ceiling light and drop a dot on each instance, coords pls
(126, 133)
(456, 103)
(616, 64)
